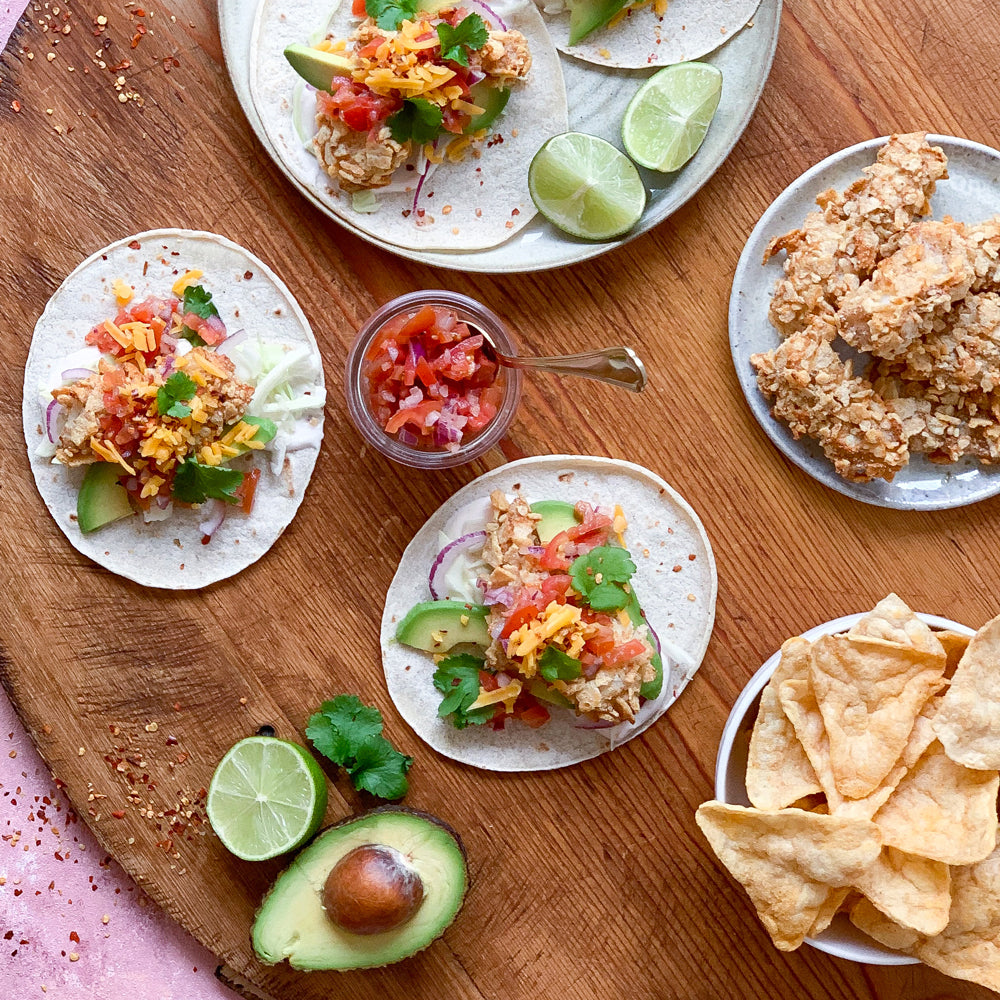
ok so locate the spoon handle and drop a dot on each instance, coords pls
(616, 365)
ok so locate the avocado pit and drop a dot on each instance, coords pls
(372, 889)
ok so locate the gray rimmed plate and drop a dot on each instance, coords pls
(971, 194)
(598, 96)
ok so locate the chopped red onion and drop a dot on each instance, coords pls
(168, 366)
(489, 10)
(503, 679)
(499, 595)
(407, 437)
(235, 340)
(215, 514)
(475, 76)
(444, 559)
(163, 502)
(420, 183)
(215, 324)
(50, 420)
(75, 374)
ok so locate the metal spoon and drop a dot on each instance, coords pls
(619, 366)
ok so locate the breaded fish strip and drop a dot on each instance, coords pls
(918, 284)
(818, 396)
(839, 246)
(943, 425)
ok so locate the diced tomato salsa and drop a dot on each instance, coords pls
(429, 383)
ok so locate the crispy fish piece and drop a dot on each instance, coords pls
(837, 247)
(818, 396)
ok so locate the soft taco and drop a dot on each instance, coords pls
(646, 33)
(173, 407)
(549, 611)
(405, 129)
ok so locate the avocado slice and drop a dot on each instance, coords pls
(491, 99)
(266, 430)
(589, 15)
(436, 626)
(650, 689)
(317, 67)
(557, 517)
(102, 499)
(293, 924)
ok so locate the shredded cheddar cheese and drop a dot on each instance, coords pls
(186, 279)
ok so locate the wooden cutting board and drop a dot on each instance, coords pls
(588, 882)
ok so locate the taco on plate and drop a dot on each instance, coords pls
(173, 407)
(416, 121)
(551, 610)
(646, 33)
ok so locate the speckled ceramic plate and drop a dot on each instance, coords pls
(598, 97)
(841, 938)
(971, 194)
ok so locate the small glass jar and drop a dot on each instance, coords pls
(358, 391)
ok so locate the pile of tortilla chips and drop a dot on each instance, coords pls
(873, 774)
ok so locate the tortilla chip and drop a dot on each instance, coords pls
(910, 890)
(788, 861)
(969, 947)
(892, 621)
(778, 770)
(827, 911)
(969, 721)
(870, 692)
(871, 921)
(942, 810)
(955, 644)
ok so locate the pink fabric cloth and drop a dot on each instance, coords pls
(58, 889)
(9, 13)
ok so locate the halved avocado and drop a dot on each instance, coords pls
(317, 67)
(557, 516)
(102, 499)
(293, 924)
(436, 626)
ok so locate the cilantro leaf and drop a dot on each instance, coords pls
(457, 678)
(390, 14)
(418, 119)
(601, 575)
(381, 769)
(555, 665)
(349, 733)
(199, 301)
(171, 395)
(196, 483)
(468, 35)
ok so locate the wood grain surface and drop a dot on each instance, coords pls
(589, 882)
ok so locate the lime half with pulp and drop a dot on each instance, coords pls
(267, 796)
(667, 119)
(585, 186)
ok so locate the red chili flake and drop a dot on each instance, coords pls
(172, 741)
(8, 935)
(119, 814)
(247, 275)
(15, 106)
(134, 245)
(74, 937)
(516, 211)
(136, 38)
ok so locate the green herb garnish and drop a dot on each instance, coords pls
(418, 119)
(457, 678)
(390, 14)
(196, 483)
(199, 302)
(350, 734)
(467, 36)
(555, 665)
(601, 576)
(171, 395)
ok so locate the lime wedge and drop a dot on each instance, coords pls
(585, 186)
(666, 120)
(267, 796)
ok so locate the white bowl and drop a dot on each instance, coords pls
(841, 939)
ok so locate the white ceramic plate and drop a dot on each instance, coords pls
(971, 194)
(841, 939)
(598, 97)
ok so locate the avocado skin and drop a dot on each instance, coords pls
(370, 957)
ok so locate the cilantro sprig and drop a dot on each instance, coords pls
(349, 733)
(601, 577)
(196, 483)
(418, 119)
(457, 678)
(555, 665)
(171, 397)
(390, 14)
(469, 35)
(197, 300)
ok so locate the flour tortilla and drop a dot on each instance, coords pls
(688, 29)
(169, 553)
(663, 533)
(488, 196)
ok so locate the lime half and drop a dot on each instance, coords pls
(267, 796)
(666, 121)
(585, 186)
